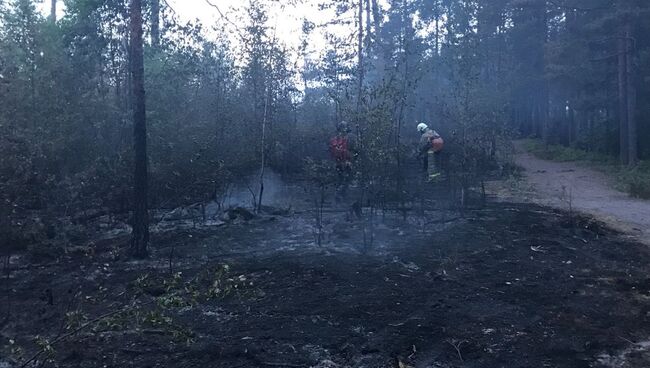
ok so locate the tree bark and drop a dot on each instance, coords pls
(140, 234)
(544, 113)
(368, 25)
(53, 10)
(572, 124)
(622, 98)
(376, 17)
(402, 106)
(360, 57)
(632, 139)
(545, 95)
(155, 23)
(437, 32)
(267, 100)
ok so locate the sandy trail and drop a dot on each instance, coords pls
(567, 185)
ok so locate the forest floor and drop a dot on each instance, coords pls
(501, 285)
(574, 187)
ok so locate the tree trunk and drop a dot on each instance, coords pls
(155, 23)
(267, 99)
(584, 128)
(572, 124)
(400, 118)
(622, 98)
(632, 139)
(53, 11)
(437, 32)
(544, 113)
(545, 95)
(368, 25)
(140, 235)
(360, 57)
(376, 17)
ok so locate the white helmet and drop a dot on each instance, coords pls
(422, 127)
(342, 127)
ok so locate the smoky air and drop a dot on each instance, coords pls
(324, 183)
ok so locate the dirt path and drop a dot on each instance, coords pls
(567, 185)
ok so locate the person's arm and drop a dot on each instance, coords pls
(424, 145)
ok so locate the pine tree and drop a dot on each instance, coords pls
(140, 236)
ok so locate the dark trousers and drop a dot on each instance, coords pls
(343, 178)
(431, 163)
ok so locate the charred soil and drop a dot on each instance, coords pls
(505, 285)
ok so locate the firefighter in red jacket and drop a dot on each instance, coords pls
(343, 151)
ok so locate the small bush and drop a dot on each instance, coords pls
(637, 180)
(560, 153)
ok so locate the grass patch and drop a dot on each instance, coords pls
(633, 180)
(556, 152)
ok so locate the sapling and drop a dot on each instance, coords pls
(321, 173)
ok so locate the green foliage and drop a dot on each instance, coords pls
(75, 319)
(65, 126)
(636, 180)
(173, 293)
(323, 172)
(561, 153)
(476, 72)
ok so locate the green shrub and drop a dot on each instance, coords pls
(561, 153)
(637, 180)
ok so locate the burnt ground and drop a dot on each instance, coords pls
(505, 285)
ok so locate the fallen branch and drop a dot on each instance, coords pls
(457, 346)
(166, 214)
(444, 221)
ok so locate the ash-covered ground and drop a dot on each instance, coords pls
(499, 285)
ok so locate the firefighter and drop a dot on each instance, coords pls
(431, 144)
(343, 151)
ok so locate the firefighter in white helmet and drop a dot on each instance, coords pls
(431, 144)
